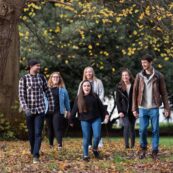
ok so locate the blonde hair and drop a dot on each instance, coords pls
(60, 84)
(85, 69)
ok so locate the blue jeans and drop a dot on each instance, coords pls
(144, 116)
(35, 126)
(86, 131)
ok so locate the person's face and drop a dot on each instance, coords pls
(89, 74)
(55, 79)
(86, 87)
(35, 68)
(125, 77)
(145, 64)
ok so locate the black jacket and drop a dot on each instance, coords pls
(124, 102)
(94, 106)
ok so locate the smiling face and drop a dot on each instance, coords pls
(86, 87)
(89, 74)
(55, 79)
(125, 77)
(146, 65)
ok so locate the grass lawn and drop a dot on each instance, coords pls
(164, 141)
(15, 158)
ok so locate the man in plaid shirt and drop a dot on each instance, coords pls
(32, 90)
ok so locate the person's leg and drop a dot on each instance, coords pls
(49, 123)
(31, 131)
(96, 126)
(86, 129)
(126, 131)
(58, 121)
(132, 131)
(39, 121)
(154, 115)
(91, 137)
(143, 124)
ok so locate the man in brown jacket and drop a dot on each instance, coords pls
(149, 91)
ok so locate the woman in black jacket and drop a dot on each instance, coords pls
(89, 108)
(124, 94)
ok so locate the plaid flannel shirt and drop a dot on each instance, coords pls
(31, 94)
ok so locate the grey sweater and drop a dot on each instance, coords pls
(147, 101)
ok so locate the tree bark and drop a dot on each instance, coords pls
(9, 53)
(10, 11)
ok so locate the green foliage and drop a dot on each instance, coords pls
(70, 36)
(4, 125)
(13, 127)
(5, 128)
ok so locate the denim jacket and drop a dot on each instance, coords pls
(64, 101)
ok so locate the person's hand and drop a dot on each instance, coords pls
(106, 120)
(166, 113)
(68, 115)
(71, 125)
(135, 113)
(121, 114)
(28, 113)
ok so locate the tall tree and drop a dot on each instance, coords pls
(10, 11)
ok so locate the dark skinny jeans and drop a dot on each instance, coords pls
(35, 124)
(129, 131)
(55, 124)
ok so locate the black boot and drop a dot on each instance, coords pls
(142, 154)
(154, 154)
(96, 153)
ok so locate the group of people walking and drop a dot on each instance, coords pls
(140, 97)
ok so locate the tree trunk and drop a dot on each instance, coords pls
(9, 53)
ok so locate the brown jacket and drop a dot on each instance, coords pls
(158, 89)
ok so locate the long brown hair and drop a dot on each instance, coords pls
(81, 101)
(60, 83)
(121, 83)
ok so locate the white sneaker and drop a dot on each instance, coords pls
(59, 148)
(100, 143)
(90, 146)
(36, 160)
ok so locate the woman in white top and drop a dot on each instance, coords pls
(97, 87)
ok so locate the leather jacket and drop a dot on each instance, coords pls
(159, 92)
